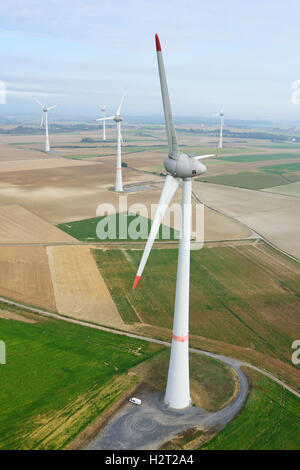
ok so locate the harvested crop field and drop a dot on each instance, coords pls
(292, 189)
(79, 289)
(25, 276)
(18, 225)
(274, 216)
(37, 164)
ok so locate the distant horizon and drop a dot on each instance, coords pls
(151, 119)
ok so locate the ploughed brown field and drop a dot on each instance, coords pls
(25, 276)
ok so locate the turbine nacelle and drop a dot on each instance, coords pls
(117, 118)
(185, 166)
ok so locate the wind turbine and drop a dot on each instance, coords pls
(103, 109)
(221, 114)
(179, 167)
(118, 119)
(45, 110)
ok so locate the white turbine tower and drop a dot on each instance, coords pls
(179, 166)
(45, 110)
(221, 128)
(118, 119)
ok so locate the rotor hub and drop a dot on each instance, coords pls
(185, 166)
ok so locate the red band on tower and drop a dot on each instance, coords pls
(180, 339)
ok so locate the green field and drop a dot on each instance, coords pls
(248, 180)
(26, 143)
(260, 157)
(135, 228)
(282, 169)
(58, 378)
(275, 145)
(240, 296)
(212, 150)
(270, 420)
(262, 178)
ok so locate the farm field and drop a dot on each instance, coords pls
(25, 276)
(18, 225)
(270, 420)
(59, 377)
(292, 189)
(260, 179)
(79, 289)
(283, 168)
(260, 157)
(37, 164)
(273, 216)
(86, 230)
(247, 180)
(241, 297)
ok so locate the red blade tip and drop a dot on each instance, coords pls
(136, 281)
(95, 120)
(158, 46)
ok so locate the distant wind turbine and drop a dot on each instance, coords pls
(103, 109)
(118, 119)
(45, 110)
(221, 115)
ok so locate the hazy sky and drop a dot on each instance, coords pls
(79, 54)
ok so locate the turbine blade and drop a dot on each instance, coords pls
(200, 157)
(172, 139)
(121, 103)
(42, 120)
(121, 138)
(104, 119)
(38, 102)
(52, 107)
(170, 186)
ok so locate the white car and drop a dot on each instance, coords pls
(135, 401)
